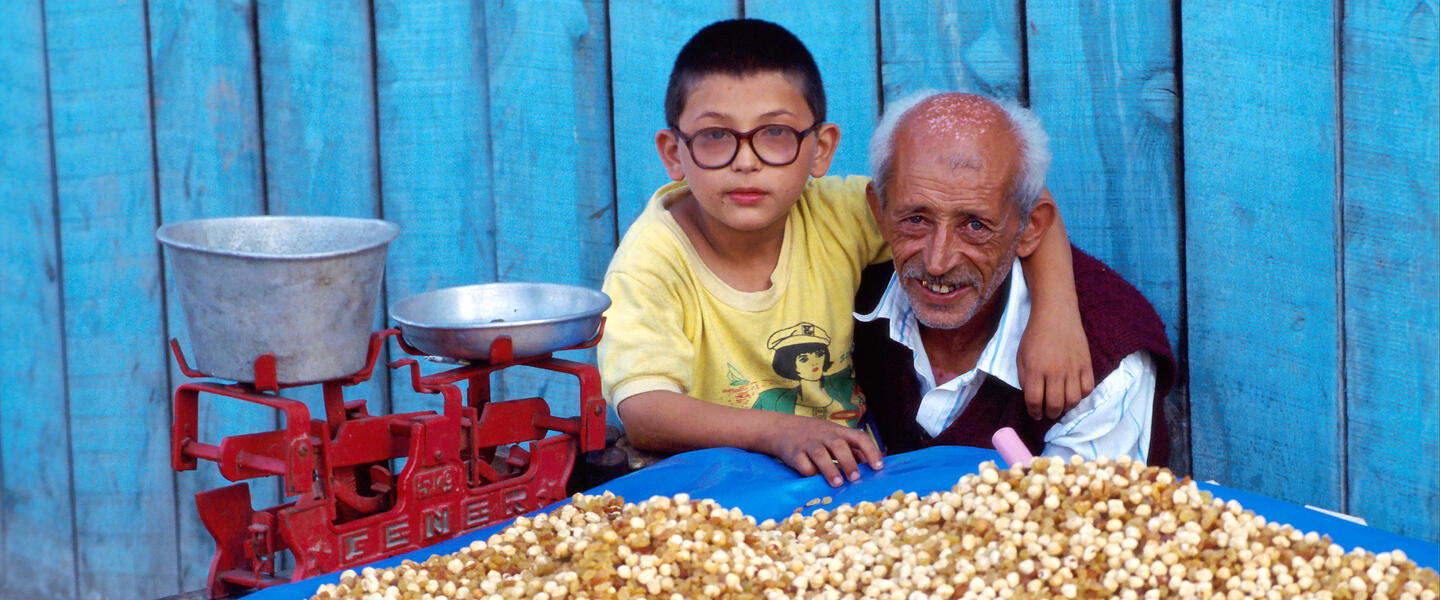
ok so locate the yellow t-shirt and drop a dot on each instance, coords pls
(674, 325)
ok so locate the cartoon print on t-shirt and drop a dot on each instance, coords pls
(802, 360)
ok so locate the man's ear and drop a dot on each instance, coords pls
(1041, 218)
(669, 148)
(827, 138)
(873, 199)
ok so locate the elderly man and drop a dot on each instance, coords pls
(958, 194)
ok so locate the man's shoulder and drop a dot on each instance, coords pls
(1103, 289)
(1118, 319)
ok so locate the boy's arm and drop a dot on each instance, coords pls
(1054, 357)
(1115, 419)
(673, 422)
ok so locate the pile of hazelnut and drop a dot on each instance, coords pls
(1102, 529)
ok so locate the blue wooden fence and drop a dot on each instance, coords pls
(1265, 172)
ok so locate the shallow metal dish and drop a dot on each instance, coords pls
(462, 322)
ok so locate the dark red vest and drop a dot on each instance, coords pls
(1118, 321)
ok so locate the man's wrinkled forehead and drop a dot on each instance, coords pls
(964, 132)
(956, 117)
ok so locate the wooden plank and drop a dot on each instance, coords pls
(840, 36)
(1103, 84)
(550, 119)
(1392, 257)
(1261, 266)
(37, 537)
(114, 323)
(434, 101)
(318, 90)
(319, 99)
(950, 45)
(208, 164)
(641, 56)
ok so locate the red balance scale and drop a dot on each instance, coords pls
(463, 470)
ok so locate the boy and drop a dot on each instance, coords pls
(733, 290)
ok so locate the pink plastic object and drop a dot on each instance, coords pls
(1008, 444)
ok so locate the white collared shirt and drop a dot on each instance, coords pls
(1113, 420)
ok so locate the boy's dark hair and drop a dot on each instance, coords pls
(740, 47)
(784, 360)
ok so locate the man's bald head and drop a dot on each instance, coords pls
(966, 174)
(968, 131)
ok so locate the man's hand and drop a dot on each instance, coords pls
(810, 445)
(1054, 363)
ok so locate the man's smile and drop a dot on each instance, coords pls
(939, 288)
(942, 294)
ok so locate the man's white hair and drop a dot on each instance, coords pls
(1033, 141)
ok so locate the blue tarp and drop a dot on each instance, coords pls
(767, 489)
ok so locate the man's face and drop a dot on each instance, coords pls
(951, 227)
(747, 194)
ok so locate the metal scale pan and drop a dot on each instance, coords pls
(464, 322)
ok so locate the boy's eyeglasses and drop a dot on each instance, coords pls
(717, 147)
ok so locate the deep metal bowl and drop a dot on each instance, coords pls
(462, 322)
(304, 288)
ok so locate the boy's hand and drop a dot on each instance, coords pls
(1054, 357)
(1054, 363)
(664, 421)
(812, 446)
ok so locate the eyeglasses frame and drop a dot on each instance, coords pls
(746, 138)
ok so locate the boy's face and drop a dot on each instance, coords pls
(747, 195)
